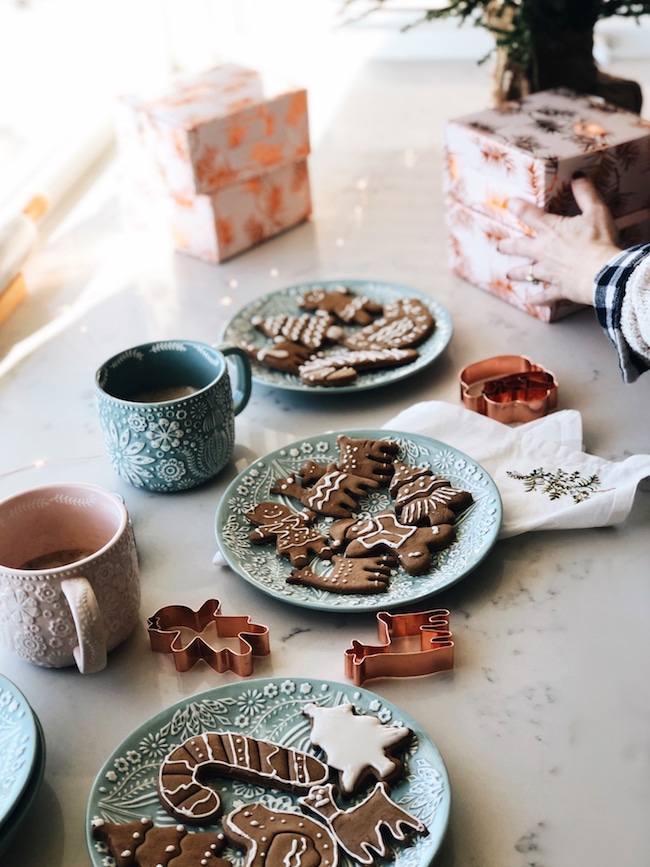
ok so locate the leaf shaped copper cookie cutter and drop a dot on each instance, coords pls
(412, 644)
(508, 388)
(192, 635)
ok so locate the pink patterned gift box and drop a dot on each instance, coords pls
(215, 128)
(216, 226)
(531, 148)
(219, 162)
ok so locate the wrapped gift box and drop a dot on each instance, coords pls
(216, 226)
(530, 149)
(221, 156)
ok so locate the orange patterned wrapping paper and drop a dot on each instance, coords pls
(531, 148)
(226, 222)
(214, 129)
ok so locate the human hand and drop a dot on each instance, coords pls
(566, 252)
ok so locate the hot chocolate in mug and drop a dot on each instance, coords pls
(69, 577)
(167, 411)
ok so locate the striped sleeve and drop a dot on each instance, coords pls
(610, 285)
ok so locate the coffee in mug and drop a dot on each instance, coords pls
(167, 411)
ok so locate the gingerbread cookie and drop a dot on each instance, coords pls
(342, 303)
(360, 829)
(363, 575)
(285, 355)
(358, 746)
(335, 494)
(405, 323)
(275, 838)
(384, 532)
(313, 332)
(423, 498)
(183, 779)
(143, 844)
(294, 536)
(343, 367)
(371, 459)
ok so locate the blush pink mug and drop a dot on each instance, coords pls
(69, 576)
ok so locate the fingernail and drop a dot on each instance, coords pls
(577, 175)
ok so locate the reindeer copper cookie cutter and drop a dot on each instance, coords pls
(508, 388)
(412, 644)
(193, 635)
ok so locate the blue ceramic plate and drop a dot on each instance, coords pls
(267, 708)
(286, 301)
(15, 818)
(477, 527)
(18, 746)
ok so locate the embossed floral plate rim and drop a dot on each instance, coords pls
(285, 300)
(14, 819)
(271, 708)
(19, 741)
(476, 529)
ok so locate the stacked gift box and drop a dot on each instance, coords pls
(220, 159)
(530, 149)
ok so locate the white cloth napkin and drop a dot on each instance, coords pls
(546, 480)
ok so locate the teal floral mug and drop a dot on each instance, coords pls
(167, 411)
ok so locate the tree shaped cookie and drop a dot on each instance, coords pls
(385, 533)
(364, 575)
(294, 536)
(358, 746)
(421, 497)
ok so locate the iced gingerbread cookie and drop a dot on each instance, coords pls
(284, 355)
(405, 323)
(342, 368)
(363, 575)
(334, 494)
(423, 498)
(184, 778)
(342, 303)
(385, 533)
(143, 844)
(314, 332)
(358, 746)
(372, 459)
(360, 830)
(275, 838)
(294, 536)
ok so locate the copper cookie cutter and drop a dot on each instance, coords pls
(508, 388)
(412, 645)
(193, 635)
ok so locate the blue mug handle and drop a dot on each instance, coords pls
(243, 383)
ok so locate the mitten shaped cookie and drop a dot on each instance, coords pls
(365, 575)
(334, 494)
(342, 303)
(384, 532)
(372, 459)
(294, 536)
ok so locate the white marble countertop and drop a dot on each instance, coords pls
(544, 721)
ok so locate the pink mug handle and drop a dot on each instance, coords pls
(90, 654)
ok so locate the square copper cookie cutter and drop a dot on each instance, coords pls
(412, 645)
(508, 388)
(188, 634)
